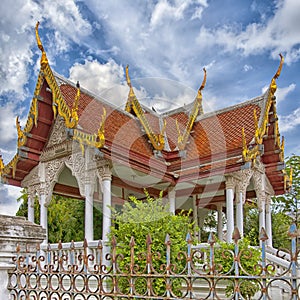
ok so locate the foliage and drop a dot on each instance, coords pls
(251, 223)
(249, 258)
(290, 202)
(65, 218)
(280, 226)
(140, 218)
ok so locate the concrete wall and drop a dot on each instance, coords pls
(16, 231)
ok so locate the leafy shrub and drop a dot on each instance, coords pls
(140, 218)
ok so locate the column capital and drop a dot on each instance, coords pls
(243, 179)
(230, 182)
(31, 191)
(104, 169)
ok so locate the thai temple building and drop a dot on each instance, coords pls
(81, 146)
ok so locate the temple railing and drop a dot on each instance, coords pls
(91, 271)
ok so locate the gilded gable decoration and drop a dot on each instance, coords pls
(157, 140)
(197, 109)
(250, 152)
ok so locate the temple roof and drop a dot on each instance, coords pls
(182, 144)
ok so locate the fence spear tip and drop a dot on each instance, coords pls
(149, 239)
(293, 231)
(263, 235)
(211, 238)
(236, 235)
(167, 239)
(132, 242)
(188, 238)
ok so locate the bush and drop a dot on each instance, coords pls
(140, 218)
(249, 258)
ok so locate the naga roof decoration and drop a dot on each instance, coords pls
(255, 148)
(157, 140)
(187, 143)
(197, 109)
(59, 105)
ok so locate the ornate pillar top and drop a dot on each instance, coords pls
(104, 169)
(230, 182)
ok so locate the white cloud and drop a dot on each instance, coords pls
(17, 36)
(101, 79)
(164, 11)
(247, 68)
(8, 199)
(281, 93)
(289, 122)
(7, 132)
(95, 76)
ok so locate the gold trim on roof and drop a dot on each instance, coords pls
(157, 140)
(12, 165)
(21, 135)
(96, 140)
(197, 108)
(251, 152)
(73, 121)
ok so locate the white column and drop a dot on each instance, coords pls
(240, 212)
(220, 222)
(172, 199)
(106, 190)
(229, 209)
(44, 215)
(269, 221)
(30, 208)
(88, 213)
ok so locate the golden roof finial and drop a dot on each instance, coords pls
(127, 77)
(199, 95)
(273, 86)
(44, 59)
(204, 80)
(131, 92)
(280, 66)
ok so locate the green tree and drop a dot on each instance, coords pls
(140, 218)
(280, 226)
(65, 218)
(290, 202)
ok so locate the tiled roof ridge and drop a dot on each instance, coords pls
(259, 100)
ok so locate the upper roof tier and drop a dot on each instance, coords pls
(186, 143)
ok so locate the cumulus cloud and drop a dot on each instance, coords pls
(289, 122)
(17, 36)
(8, 197)
(101, 79)
(281, 33)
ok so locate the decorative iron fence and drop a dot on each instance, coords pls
(86, 274)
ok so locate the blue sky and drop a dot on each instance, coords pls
(92, 41)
